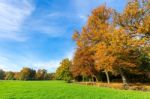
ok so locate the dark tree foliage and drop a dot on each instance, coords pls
(2, 74)
(27, 74)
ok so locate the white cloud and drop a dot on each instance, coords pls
(70, 54)
(46, 24)
(52, 65)
(6, 64)
(10, 63)
(55, 14)
(51, 31)
(83, 17)
(12, 16)
(84, 7)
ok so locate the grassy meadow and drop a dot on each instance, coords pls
(62, 90)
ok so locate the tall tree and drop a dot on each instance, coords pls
(83, 63)
(135, 21)
(126, 51)
(96, 31)
(100, 28)
(135, 17)
(104, 60)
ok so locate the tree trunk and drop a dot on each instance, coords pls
(95, 78)
(123, 77)
(107, 76)
(148, 75)
(83, 78)
(92, 78)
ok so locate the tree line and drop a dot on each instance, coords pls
(26, 74)
(112, 45)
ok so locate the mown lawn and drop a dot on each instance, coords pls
(62, 90)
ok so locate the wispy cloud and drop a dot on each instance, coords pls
(84, 7)
(44, 26)
(12, 16)
(55, 14)
(10, 63)
(52, 65)
(48, 28)
(7, 64)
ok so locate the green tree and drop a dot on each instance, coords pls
(145, 60)
(63, 71)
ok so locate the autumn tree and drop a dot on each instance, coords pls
(135, 22)
(126, 52)
(145, 61)
(119, 47)
(27, 74)
(96, 31)
(42, 74)
(116, 40)
(63, 71)
(104, 60)
(17, 75)
(100, 28)
(83, 64)
(135, 18)
(51, 76)
(10, 76)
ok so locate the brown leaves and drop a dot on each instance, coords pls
(135, 17)
(83, 62)
(110, 41)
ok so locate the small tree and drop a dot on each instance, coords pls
(27, 74)
(42, 74)
(10, 76)
(63, 71)
(17, 75)
(51, 76)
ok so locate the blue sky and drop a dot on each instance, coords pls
(37, 33)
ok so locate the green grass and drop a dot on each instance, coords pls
(62, 90)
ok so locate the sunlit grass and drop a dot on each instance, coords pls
(62, 90)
